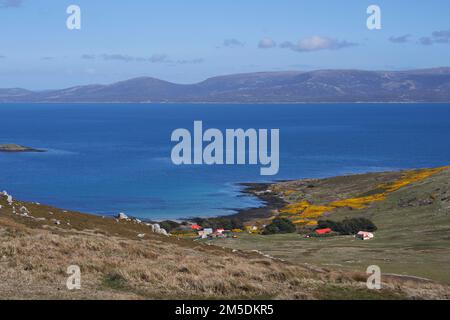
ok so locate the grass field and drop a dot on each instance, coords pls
(413, 237)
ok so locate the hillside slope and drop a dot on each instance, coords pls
(124, 260)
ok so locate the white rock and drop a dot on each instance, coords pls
(163, 232)
(9, 199)
(122, 216)
(141, 235)
(156, 228)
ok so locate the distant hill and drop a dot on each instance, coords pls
(427, 85)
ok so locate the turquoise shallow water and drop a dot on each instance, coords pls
(108, 158)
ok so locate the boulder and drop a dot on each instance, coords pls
(122, 216)
(163, 232)
(9, 199)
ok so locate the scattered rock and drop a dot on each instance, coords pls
(9, 199)
(122, 216)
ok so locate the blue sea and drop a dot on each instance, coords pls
(110, 158)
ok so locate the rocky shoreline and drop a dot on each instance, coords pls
(262, 191)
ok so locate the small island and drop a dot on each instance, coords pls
(17, 148)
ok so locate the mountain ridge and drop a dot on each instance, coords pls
(327, 86)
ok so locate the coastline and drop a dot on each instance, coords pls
(270, 202)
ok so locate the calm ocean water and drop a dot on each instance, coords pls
(105, 159)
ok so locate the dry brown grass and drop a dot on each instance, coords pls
(115, 264)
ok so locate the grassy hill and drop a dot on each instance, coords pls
(413, 221)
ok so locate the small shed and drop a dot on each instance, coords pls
(364, 235)
(208, 231)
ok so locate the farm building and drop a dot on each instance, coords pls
(205, 232)
(196, 227)
(323, 231)
(363, 235)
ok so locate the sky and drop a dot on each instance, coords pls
(188, 41)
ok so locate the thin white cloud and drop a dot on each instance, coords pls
(442, 36)
(233, 43)
(191, 61)
(316, 43)
(10, 3)
(400, 39)
(267, 43)
(88, 57)
(156, 58)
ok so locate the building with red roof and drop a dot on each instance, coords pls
(323, 231)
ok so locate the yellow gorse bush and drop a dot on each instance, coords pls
(295, 208)
(411, 177)
(307, 213)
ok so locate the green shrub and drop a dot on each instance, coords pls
(169, 226)
(279, 225)
(348, 226)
